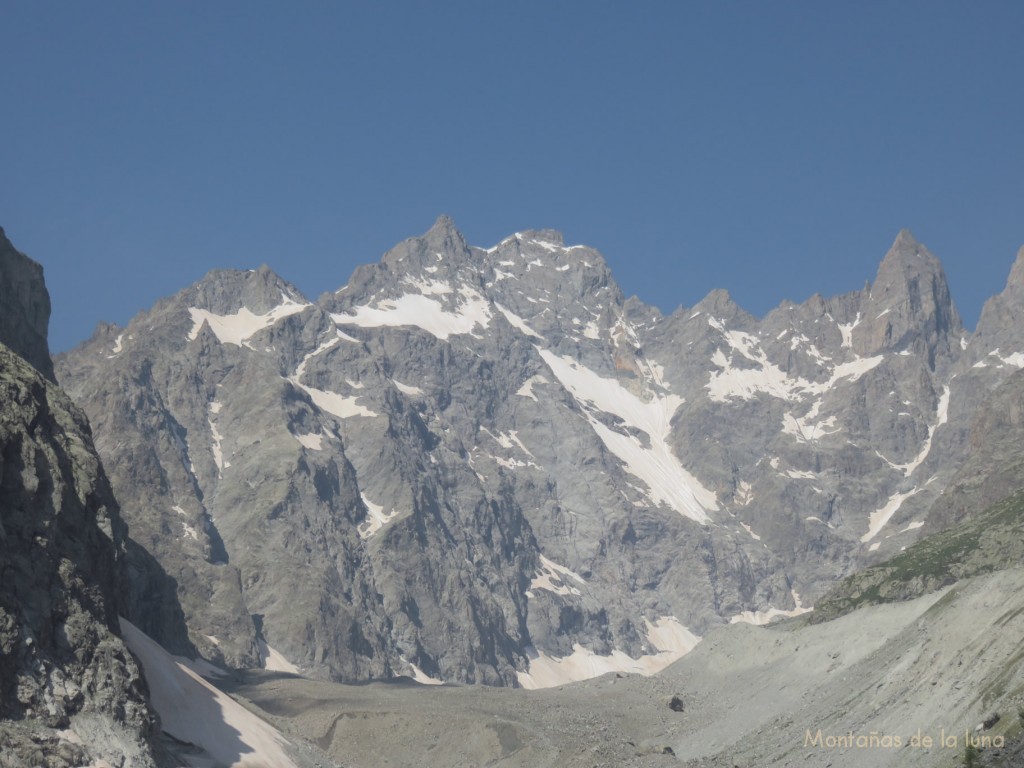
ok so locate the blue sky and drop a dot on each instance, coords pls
(773, 149)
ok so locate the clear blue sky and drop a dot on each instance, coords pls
(774, 149)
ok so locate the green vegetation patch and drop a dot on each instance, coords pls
(990, 541)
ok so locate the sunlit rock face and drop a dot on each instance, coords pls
(487, 465)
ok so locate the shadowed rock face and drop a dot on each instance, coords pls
(24, 307)
(62, 550)
(468, 459)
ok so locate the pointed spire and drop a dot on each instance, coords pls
(909, 303)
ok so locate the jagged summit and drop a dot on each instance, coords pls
(909, 304)
(441, 245)
(1000, 330)
(907, 256)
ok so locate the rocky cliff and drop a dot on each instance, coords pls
(25, 307)
(70, 692)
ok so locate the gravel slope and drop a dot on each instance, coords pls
(750, 697)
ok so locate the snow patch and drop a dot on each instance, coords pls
(311, 441)
(547, 672)
(218, 454)
(193, 711)
(422, 677)
(526, 390)
(656, 465)
(881, 516)
(274, 660)
(761, 618)
(414, 309)
(941, 417)
(337, 405)
(243, 324)
(744, 493)
(550, 577)
(406, 388)
(753, 535)
(376, 519)
(301, 368)
(806, 429)
(517, 322)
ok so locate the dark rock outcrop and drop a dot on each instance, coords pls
(70, 691)
(24, 307)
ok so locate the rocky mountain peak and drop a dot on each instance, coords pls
(998, 332)
(909, 305)
(1016, 278)
(258, 290)
(905, 260)
(24, 307)
(443, 242)
(720, 304)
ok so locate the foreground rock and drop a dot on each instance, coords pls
(70, 692)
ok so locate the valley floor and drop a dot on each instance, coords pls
(869, 682)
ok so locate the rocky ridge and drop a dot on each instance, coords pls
(487, 465)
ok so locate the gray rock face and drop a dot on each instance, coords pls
(467, 463)
(24, 307)
(63, 669)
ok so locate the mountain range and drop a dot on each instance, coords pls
(487, 465)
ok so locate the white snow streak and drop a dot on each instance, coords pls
(428, 287)
(881, 516)
(376, 519)
(333, 403)
(941, 417)
(657, 465)
(406, 388)
(301, 369)
(753, 535)
(516, 321)
(804, 428)
(193, 711)
(274, 660)
(218, 454)
(422, 677)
